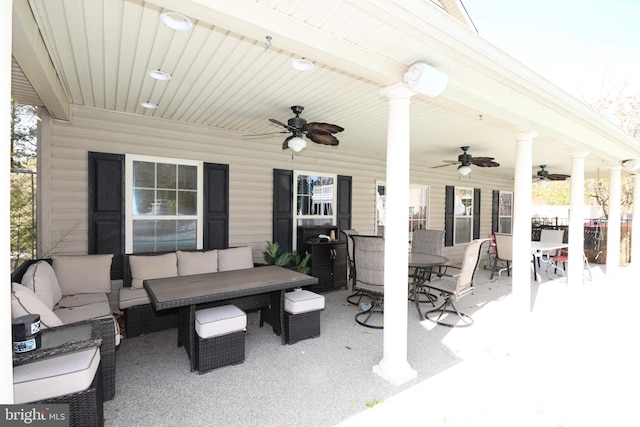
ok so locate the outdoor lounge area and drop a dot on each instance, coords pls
(499, 372)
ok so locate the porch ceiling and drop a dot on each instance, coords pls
(224, 76)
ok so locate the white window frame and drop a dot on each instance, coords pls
(467, 214)
(500, 216)
(130, 218)
(380, 207)
(334, 203)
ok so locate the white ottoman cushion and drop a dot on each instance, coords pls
(216, 321)
(301, 301)
(56, 376)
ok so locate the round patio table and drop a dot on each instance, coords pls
(422, 263)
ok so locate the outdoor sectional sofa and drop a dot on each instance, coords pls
(139, 315)
(66, 290)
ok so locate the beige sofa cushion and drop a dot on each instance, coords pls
(83, 312)
(83, 274)
(41, 279)
(235, 258)
(55, 376)
(131, 297)
(81, 299)
(152, 267)
(24, 301)
(197, 262)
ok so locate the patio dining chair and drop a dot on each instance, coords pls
(425, 242)
(549, 236)
(368, 262)
(504, 253)
(356, 296)
(455, 287)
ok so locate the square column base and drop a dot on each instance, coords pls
(396, 376)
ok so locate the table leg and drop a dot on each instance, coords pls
(187, 331)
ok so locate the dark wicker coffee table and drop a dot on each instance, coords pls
(251, 288)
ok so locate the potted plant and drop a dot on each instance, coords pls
(274, 255)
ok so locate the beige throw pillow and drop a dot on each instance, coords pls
(152, 267)
(41, 279)
(24, 301)
(83, 274)
(197, 262)
(235, 258)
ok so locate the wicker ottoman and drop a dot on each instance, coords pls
(302, 315)
(220, 332)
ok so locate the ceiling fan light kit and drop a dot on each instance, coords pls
(297, 144)
(425, 79)
(149, 105)
(464, 170)
(176, 21)
(631, 164)
(301, 64)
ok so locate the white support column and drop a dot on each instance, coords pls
(394, 366)
(613, 223)
(575, 273)
(635, 231)
(6, 352)
(522, 207)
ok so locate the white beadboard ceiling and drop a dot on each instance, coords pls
(224, 76)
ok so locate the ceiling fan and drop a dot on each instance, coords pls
(465, 160)
(320, 133)
(544, 175)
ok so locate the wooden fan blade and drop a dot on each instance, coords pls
(448, 163)
(557, 177)
(325, 139)
(259, 135)
(326, 127)
(484, 163)
(280, 124)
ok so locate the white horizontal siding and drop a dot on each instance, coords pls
(251, 163)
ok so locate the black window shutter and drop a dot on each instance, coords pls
(344, 202)
(495, 211)
(106, 208)
(476, 213)
(449, 202)
(216, 206)
(283, 208)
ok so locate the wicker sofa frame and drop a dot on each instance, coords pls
(103, 328)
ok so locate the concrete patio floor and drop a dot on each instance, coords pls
(572, 362)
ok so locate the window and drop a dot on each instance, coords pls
(163, 204)
(418, 208)
(463, 215)
(315, 199)
(504, 212)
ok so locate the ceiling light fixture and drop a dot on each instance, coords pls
(464, 170)
(159, 75)
(631, 164)
(297, 144)
(425, 79)
(176, 21)
(149, 105)
(301, 64)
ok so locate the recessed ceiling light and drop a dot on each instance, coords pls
(301, 64)
(159, 75)
(176, 21)
(149, 105)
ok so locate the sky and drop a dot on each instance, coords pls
(589, 47)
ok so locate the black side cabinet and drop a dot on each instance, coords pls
(328, 259)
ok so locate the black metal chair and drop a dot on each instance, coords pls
(454, 287)
(368, 262)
